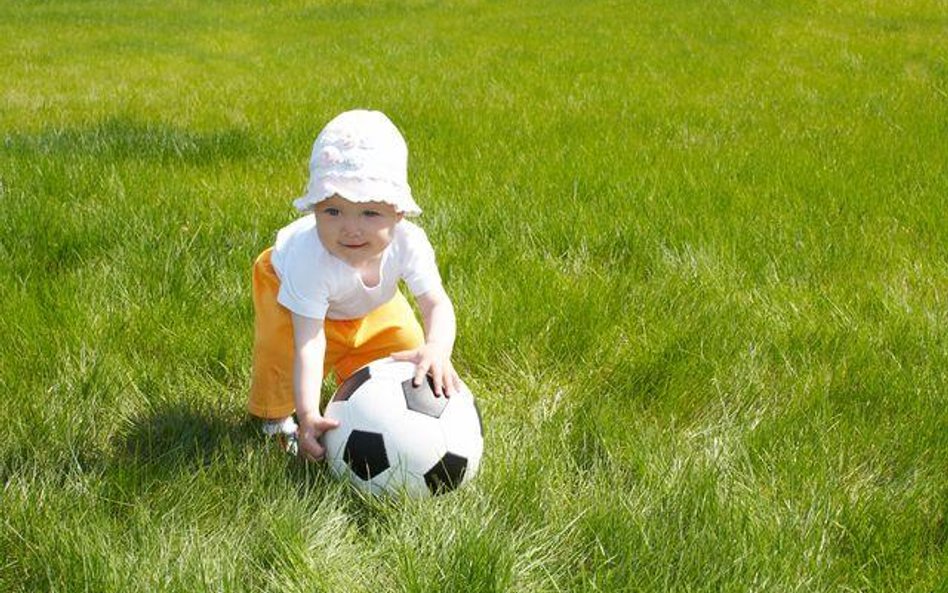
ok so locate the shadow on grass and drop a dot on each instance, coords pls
(124, 138)
(177, 436)
(157, 445)
(178, 440)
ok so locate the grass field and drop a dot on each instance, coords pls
(698, 250)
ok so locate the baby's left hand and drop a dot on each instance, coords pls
(435, 360)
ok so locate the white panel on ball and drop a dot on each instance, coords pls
(413, 442)
(334, 440)
(377, 404)
(456, 423)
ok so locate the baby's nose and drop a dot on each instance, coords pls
(351, 227)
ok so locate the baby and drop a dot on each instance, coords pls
(326, 294)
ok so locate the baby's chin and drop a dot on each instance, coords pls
(358, 255)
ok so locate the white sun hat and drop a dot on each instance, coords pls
(361, 156)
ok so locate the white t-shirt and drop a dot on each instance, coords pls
(315, 283)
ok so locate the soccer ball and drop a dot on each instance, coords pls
(394, 437)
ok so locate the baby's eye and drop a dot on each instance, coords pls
(371, 213)
(331, 211)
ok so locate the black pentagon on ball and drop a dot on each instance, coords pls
(422, 399)
(365, 453)
(349, 386)
(447, 474)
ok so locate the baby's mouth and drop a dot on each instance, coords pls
(354, 245)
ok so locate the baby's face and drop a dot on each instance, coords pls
(355, 232)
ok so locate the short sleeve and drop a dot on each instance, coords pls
(313, 305)
(420, 270)
(301, 291)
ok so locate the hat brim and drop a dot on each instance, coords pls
(359, 190)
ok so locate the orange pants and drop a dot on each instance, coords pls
(350, 343)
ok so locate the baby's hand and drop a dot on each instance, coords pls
(311, 428)
(434, 360)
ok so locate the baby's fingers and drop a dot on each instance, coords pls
(310, 449)
(324, 424)
(446, 382)
(421, 369)
(445, 379)
(405, 355)
(437, 381)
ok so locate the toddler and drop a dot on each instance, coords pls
(326, 294)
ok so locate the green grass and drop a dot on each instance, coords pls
(698, 250)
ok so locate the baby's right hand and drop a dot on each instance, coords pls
(311, 428)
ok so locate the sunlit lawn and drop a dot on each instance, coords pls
(698, 250)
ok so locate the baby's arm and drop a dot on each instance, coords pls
(434, 357)
(309, 351)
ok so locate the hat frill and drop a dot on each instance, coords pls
(359, 189)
